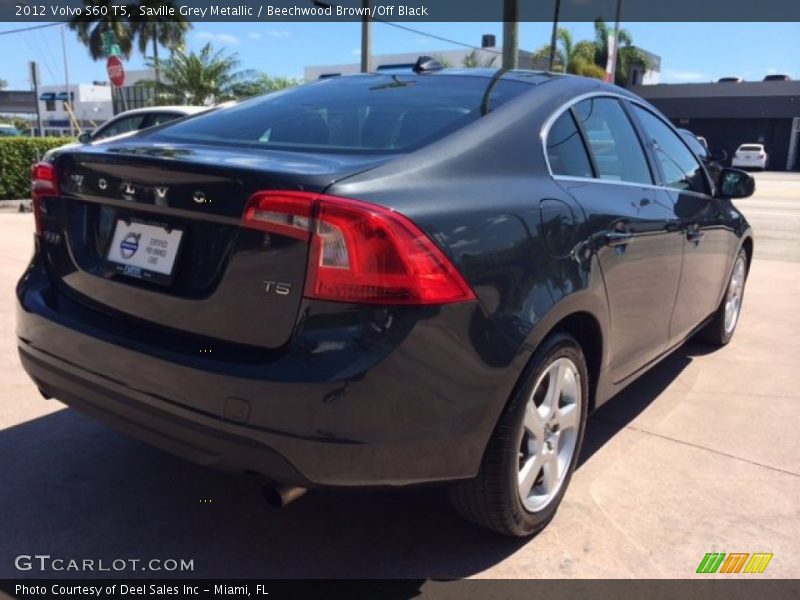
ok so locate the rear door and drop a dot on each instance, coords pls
(631, 224)
(707, 237)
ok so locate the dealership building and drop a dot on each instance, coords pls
(729, 114)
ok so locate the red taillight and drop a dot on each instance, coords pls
(44, 182)
(359, 252)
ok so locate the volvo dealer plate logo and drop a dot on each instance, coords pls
(102, 183)
(129, 245)
(161, 192)
(128, 189)
(78, 179)
(199, 197)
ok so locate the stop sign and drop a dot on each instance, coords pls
(116, 72)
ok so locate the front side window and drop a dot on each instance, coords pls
(565, 150)
(615, 147)
(681, 169)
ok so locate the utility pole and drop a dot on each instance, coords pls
(510, 34)
(366, 37)
(66, 83)
(35, 81)
(554, 38)
(613, 49)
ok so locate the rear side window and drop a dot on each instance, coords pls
(681, 169)
(565, 150)
(615, 147)
(123, 125)
(374, 113)
(159, 118)
(751, 148)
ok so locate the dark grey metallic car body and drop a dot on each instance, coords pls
(316, 393)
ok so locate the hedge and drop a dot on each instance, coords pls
(17, 154)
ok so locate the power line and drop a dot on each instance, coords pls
(31, 28)
(436, 37)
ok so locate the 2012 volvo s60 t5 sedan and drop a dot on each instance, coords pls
(382, 280)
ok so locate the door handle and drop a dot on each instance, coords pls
(694, 235)
(618, 238)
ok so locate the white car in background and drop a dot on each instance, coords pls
(139, 118)
(750, 156)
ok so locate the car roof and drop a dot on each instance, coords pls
(184, 110)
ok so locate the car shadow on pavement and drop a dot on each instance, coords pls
(623, 408)
(74, 489)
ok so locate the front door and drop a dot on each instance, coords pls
(707, 237)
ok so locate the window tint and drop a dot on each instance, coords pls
(613, 141)
(123, 125)
(565, 150)
(375, 113)
(681, 169)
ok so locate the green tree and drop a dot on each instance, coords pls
(90, 28)
(3, 84)
(199, 78)
(628, 57)
(153, 30)
(262, 84)
(473, 61)
(570, 57)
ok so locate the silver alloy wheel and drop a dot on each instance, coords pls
(733, 299)
(549, 434)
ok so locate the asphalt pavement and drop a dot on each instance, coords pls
(700, 455)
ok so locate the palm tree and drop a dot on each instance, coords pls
(170, 34)
(628, 56)
(570, 57)
(473, 61)
(91, 27)
(199, 78)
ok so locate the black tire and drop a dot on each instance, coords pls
(492, 499)
(715, 332)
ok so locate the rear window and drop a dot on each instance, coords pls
(751, 148)
(376, 113)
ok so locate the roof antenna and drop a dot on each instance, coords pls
(427, 63)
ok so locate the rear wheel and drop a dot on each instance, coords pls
(722, 326)
(530, 458)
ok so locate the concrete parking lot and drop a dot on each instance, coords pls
(700, 455)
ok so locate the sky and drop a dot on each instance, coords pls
(690, 52)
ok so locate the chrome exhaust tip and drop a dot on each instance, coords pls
(278, 496)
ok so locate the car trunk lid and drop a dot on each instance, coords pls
(153, 234)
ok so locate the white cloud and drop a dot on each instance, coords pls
(772, 70)
(278, 33)
(254, 35)
(355, 52)
(222, 38)
(678, 76)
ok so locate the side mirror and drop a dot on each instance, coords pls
(85, 138)
(735, 183)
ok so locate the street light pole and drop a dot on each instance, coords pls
(510, 34)
(366, 38)
(66, 83)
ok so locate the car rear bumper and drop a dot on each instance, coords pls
(414, 407)
(759, 163)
